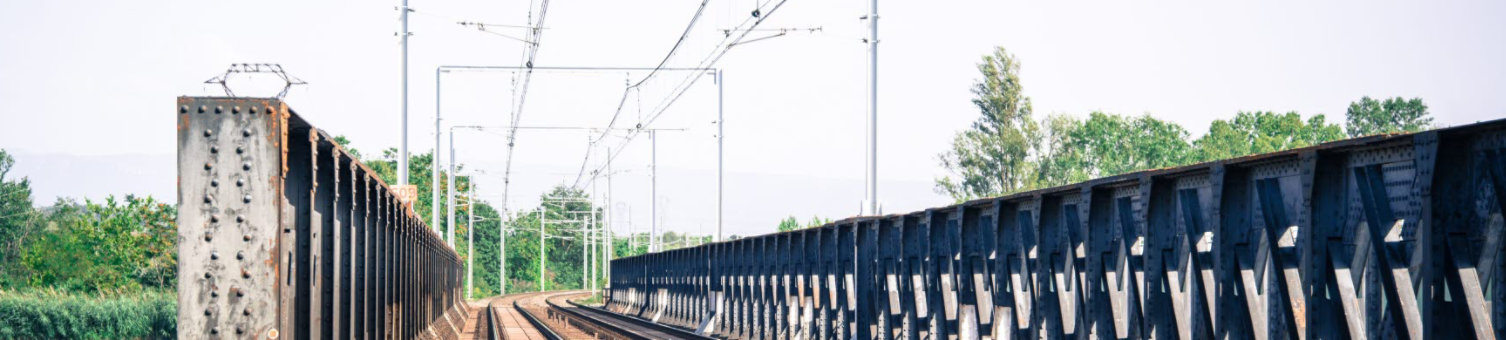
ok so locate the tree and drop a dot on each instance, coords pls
(1369, 116)
(789, 224)
(993, 157)
(112, 246)
(16, 215)
(1261, 132)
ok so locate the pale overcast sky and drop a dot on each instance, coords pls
(88, 86)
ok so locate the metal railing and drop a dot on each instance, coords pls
(1394, 236)
(283, 234)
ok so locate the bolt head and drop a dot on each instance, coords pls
(208, 237)
(240, 218)
(235, 109)
(218, 109)
(203, 108)
(208, 132)
(240, 182)
(246, 238)
(183, 109)
(208, 198)
(246, 132)
(246, 166)
(240, 255)
(253, 110)
(214, 182)
(214, 255)
(207, 275)
(246, 199)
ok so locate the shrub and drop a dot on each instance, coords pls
(52, 314)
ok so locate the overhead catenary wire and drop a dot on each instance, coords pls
(711, 58)
(531, 52)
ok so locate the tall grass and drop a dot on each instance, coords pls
(54, 314)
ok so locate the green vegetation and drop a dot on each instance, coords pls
(790, 223)
(100, 270)
(55, 314)
(1006, 150)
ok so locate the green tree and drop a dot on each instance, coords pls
(1369, 116)
(16, 225)
(112, 246)
(1263, 131)
(789, 224)
(993, 157)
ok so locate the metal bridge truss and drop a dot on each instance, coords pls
(1395, 236)
(283, 235)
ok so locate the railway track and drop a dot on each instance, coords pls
(554, 315)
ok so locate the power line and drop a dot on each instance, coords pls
(710, 59)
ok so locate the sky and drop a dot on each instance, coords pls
(89, 86)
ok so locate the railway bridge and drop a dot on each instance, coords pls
(283, 234)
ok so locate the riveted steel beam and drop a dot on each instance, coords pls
(284, 234)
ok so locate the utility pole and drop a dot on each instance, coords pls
(541, 247)
(402, 167)
(611, 241)
(653, 175)
(470, 237)
(434, 184)
(502, 251)
(873, 108)
(449, 236)
(719, 151)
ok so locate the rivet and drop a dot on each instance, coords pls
(246, 199)
(246, 166)
(238, 329)
(208, 236)
(208, 198)
(214, 218)
(245, 274)
(207, 275)
(246, 238)
(246, 132)
(240, 182)
(269, 109)
(208, 311)
(208, 166)
(240, 255)
(183, 109)
(208, 132)
(215, 330)
(240, 150)
(235, 109)
(214, 182)
(214, 149)
(214, 294)
(239, 292)
(218, 109)
(240, 218)
(246, 311)
(253, 110)
(203, 108)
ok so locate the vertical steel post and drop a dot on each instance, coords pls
(434, 164)
(873, 109)
(402, 173)
(719, 154)
(611, 242)
(541, 247)
(653, 175)
(449, 227)
(470, 237)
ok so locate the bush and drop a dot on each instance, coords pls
(52, 314)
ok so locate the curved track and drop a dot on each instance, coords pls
(553, 315)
